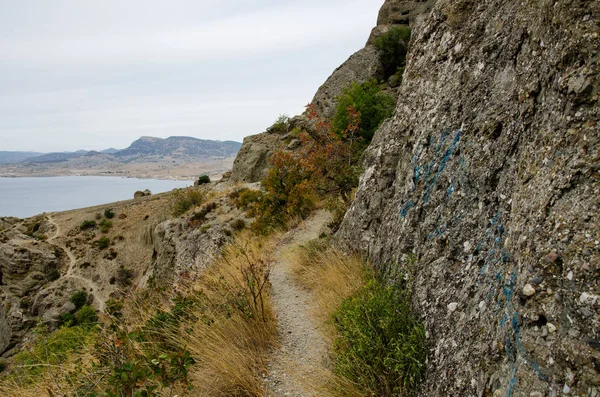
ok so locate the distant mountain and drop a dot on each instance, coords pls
(145, 147)
(15, 157)
(54, 157)
(179, 146)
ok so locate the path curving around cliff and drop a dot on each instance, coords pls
(87, 283)
(303, 349)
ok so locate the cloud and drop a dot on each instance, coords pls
(84, 74)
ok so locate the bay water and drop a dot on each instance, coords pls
(25, 197)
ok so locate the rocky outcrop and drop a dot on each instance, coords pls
(251, 162)
(185, 246)
(26, 268)
(484, 187)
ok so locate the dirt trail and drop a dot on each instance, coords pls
(303, 348)
(88, 284)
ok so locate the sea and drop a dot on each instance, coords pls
(25, 197)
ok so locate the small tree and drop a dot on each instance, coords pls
(392, 47)
(203, 179)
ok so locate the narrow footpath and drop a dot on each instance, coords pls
(303, 350)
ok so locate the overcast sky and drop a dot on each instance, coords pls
(93, 74)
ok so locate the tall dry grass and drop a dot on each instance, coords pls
(331, 276)
(223, 319)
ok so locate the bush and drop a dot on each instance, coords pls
(79, 299)
(85, 225)
(108, 213)
(203, 179)
(392, 47)
(281, 124)
(373, 107)
(124, 276)
(186, 199)
(53, 275)
(86, 316)
(105, 225)
(380, 346)
(103, 243)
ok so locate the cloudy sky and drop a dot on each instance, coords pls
(93, 74)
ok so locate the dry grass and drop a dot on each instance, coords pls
(331, 276)
(226, 324)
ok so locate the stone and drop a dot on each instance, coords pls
(452, 306)
(551, 328)
(528, 290)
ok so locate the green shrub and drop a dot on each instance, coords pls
(85, 225)
(79, 299)
(203, 179)
(102, 243)
(53, 275)
(105, 225)
(281, 124)
(108, 213)
(186, 199)
(114, 308)
(381, 346)
(86, 316)
(372, 105)
(200, 217)
(392, 47)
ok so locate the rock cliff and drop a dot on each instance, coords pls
(485, 188)
(251, 162)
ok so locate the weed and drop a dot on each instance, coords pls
(109, 213)
(186, 199)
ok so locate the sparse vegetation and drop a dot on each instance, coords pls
(238, 225)
(124, 276)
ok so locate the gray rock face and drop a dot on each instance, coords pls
(360, 67)
(251, 162)
(485, 186)
(25, 269)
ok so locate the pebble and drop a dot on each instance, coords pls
(566, 389)
(528, 290)
(588, 299)
(570, 276)
(452, 306)
(551, 328)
